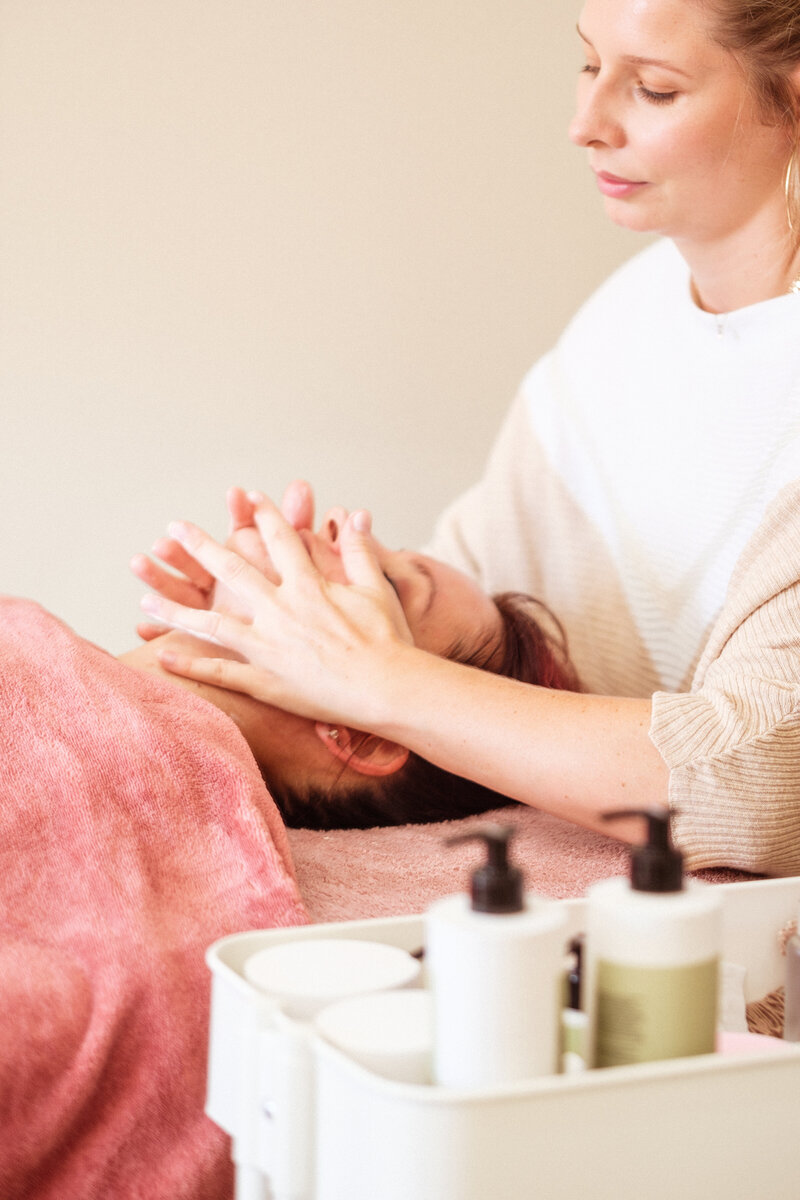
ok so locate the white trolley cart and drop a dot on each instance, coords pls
(308, 1123)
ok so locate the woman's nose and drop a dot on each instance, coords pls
(332, 524)
(595, 122)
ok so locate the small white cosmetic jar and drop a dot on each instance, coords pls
(390, 1033)
(305, 976)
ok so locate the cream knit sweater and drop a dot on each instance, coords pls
(646, 485)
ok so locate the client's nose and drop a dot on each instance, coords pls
(332, 524)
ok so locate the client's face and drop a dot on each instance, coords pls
(448, 614)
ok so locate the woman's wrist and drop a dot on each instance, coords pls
(409, 693)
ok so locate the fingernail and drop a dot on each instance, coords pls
(362, 522)
(256, 497)
(178, 529)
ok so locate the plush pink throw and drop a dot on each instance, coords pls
(351, 874)
(135, 829)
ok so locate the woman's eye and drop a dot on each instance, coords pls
(588, 69)
(655, 97)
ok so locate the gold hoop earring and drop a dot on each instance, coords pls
(791, 189)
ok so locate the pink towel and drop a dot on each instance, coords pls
(135, 829)
(350, 874)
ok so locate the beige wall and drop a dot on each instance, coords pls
(244, 240)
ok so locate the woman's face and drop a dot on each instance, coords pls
(447, 613)
(674, 134)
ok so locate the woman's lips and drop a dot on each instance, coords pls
(616, 186)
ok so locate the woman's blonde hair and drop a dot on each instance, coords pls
(764, 35)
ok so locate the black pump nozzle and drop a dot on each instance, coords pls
(657, 866)
(575, 973)
(496, 887)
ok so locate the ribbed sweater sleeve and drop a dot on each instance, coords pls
(645, 487)
(733, 741)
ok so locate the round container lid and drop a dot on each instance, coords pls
(390, 1033)
(306, 975)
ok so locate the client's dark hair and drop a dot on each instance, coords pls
(420, 792)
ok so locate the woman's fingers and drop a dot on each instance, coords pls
(243, 535)
(284, 544)
(148, 632)
(333, 523)
(363, 569)
(359, 558)
(174, 587)
(220, 672)
(174, 555)
(222, 628)
(309, 644)
(240, 509)
(248, 542)
(243, 579)
(297, 504)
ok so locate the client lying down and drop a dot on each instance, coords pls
(135, 829)
(328, 777)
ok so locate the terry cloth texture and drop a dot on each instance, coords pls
(135, 829)
(351, 874)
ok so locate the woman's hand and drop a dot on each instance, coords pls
(311, 645)
(172, 572)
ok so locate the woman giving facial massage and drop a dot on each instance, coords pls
(645, 484)
(328, 774)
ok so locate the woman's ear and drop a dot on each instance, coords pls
(364, 752)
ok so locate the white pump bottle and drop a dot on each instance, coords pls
(496, 960)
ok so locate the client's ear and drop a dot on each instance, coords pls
(364, 752)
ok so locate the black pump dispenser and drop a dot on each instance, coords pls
(497, 886)
(657, 866)
(575, 974)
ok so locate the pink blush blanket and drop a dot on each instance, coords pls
(351, 874)
(135, 829)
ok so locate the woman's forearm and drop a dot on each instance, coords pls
(573, 755)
